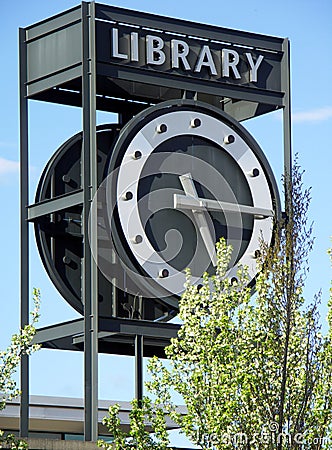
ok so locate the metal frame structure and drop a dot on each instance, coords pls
(75, 77)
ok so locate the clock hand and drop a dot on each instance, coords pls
(203, 204)
(199, 215)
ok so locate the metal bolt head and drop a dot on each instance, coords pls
(162, 128)
(137, 154)
(128, 195)
(138, 239)
(66, 178)
(195, 123)
(255, 172)
(163, 273)
(229, 139)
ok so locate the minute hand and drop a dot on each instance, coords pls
(199, 215)
(203, 204)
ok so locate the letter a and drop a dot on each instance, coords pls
(206, 53)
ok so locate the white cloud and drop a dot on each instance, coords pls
(314, 115)
(8, 167)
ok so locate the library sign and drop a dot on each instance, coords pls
(149, 49)
(189, 56)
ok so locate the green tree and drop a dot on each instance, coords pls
(9, 362)
(254, 372)
(144, 416)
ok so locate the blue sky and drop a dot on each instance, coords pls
(308, 26)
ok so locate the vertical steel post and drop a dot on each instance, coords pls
(24, 231)
(114, 289)
(89, 272)
(287, 118)
(139, 368)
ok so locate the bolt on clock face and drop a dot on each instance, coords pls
(181, 176)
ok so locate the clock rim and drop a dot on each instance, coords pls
(133, 127)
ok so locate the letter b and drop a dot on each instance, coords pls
(154, 53)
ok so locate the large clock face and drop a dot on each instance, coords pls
(182, 175)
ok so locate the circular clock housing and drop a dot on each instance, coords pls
(174, 180)
(59, 235)
(181, 176)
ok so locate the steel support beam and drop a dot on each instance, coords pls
(50, 206)
(133, 327)
(287, 117)
(74, 329)
(89, 272)
(116, 336)
(24, 232)
(59, 331)
(139, 368)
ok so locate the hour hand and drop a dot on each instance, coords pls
(193, 202)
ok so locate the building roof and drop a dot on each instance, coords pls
(58, 416)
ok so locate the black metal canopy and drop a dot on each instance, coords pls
(124, 84)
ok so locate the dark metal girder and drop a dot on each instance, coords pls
(233, 91)
(57, 204)
(108, 326)
(24, 232)
(59, 331)
(184, 27)
(145, 328)
(70, 97)
(139, 353)
(116, 336)
(53, 23)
